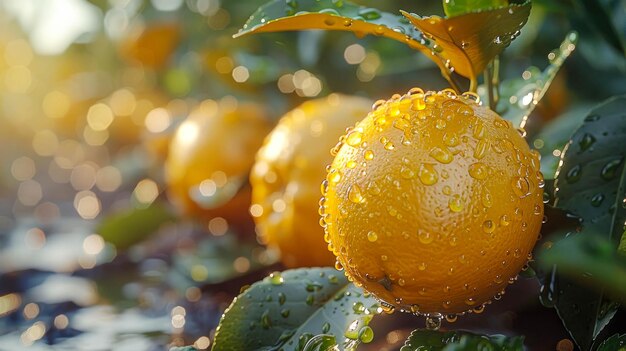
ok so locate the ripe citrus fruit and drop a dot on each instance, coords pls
(288, 171)
(433, 203)
(209, 159)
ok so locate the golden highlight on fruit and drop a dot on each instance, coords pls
(209, 159)
(287, 174)
(442, 206)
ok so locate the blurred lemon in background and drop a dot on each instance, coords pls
(287, 175)
(209, 159)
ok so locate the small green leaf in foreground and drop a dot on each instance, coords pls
(430, 340)
(127, 228)
(286, 310)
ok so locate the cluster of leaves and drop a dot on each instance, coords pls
(582, 266)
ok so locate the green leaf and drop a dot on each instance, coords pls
(459, 7)
(519, 97)
(591, 261)
(431, 340)
(285, 310)
(469, 42)
(211, 261)
(591, 183)
(127, 228)
(340, 15)
(614, 343)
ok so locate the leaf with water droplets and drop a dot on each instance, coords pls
(340, 15)
(591, 183)
(319, 301)
(430, 340)
(470, 41)
(460, 7)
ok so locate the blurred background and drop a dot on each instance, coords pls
(99, 100)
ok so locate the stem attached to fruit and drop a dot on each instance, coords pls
(492, 80)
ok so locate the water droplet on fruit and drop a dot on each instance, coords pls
(406, 172)
(440, 124)
(425, 237)
(418, 104)
(373, 188)
(442, 155)
(355, 194)
(354, 138)
(481, 148)
(488, 226)
(428, 174)
(451, 318)
(504, 220)
(372, 236)
(521, 186)
(479, 130)
(433, 322)
(334, 176)
(456, 204)
(478, 171)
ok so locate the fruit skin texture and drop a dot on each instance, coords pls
(287, 175)
(443, 207)
(215, 145)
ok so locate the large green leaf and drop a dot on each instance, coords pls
(614, 343)
(591, 261)
(431, 340)
(285, 310)
(124, 229)
(341, 15)
(591, 183)
(469, 42)
(519, 97)
(459, 7)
